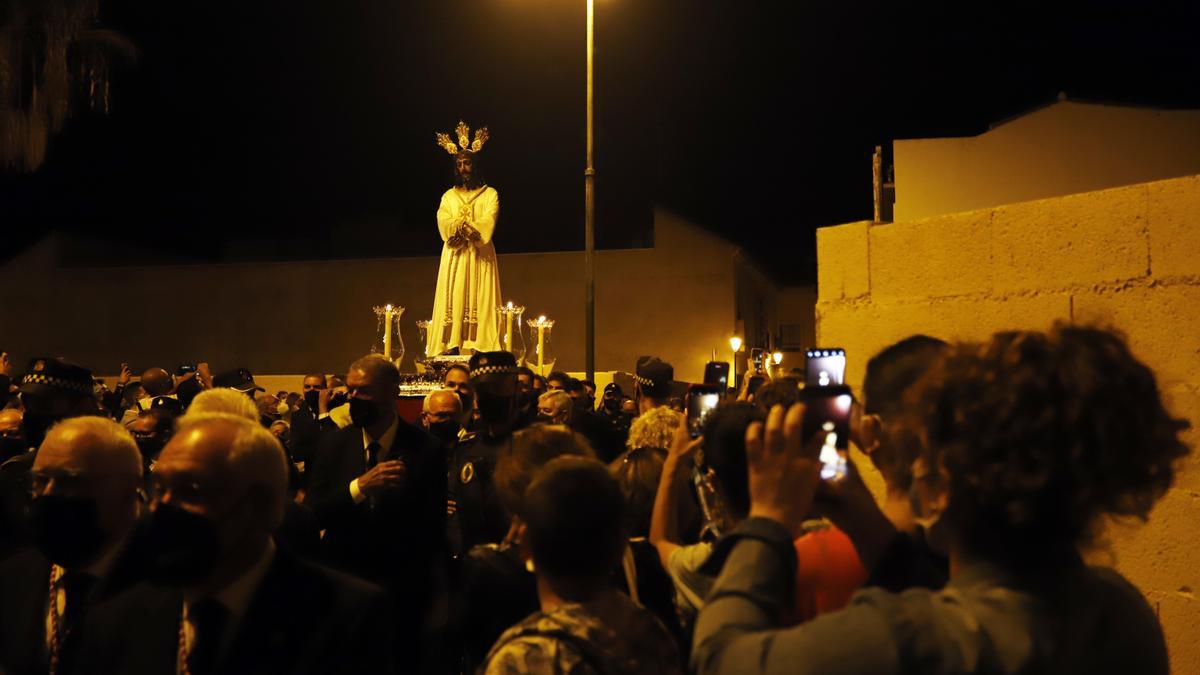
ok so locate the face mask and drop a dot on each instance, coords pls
(336, 400)
(312, 399)
(150, 448)
(496, 410)
(34, 427)
(66, 529)
(183, 546)
(543, 418)
(363, 413)
(612, 405)
(11, 446)
(446, 432)
(283, 408)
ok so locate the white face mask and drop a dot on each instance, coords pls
(282, 408)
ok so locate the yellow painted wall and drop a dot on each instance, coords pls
(675, 300)
(1064, 148)
(1128, 257)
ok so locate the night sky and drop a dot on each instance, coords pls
(273, 130)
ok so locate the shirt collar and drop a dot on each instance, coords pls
(385, 441)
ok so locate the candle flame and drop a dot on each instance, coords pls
(387, 308)
(542, 319)
(510, 304)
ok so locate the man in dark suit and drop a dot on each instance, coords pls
(378, 489)
(224, 599)
(85, 483)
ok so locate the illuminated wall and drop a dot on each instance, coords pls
(1064, 148)
(1127, 257)
(675, 300)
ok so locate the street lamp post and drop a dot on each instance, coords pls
(589, 218)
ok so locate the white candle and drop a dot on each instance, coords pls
(541, 344)
(387, 332)
(508, 328)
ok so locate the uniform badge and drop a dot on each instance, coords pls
(467, 474)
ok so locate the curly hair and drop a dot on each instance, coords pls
(654, 428)
(1041, 434)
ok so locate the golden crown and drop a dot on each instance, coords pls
(465, 144)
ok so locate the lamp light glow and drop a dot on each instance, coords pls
(777, 357)
(735, 343)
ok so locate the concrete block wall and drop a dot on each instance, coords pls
(1126, 257)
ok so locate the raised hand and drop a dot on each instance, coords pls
(784, 471)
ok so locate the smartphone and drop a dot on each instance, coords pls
(702, 399)
(757, 355)
(827, 412)
(185, 369)
(756, 382)
(825, 367)
(717, 372)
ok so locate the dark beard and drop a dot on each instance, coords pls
(468, 182)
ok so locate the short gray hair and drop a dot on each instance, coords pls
(444, 392)
(226, 401)
(111, 438)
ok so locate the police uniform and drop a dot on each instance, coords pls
(479, 517)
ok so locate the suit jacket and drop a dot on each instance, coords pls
(302, 619)
(397, 540)
(24, 592)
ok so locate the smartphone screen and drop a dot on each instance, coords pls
(702, 399)
(757, 354)
(827, 412)
(825, 367)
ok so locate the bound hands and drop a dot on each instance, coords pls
(382, 477)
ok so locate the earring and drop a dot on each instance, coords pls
(529, 566)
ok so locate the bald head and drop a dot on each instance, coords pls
(229, 456)
(95, 446)
(157, 382)
(442, 405)
(10, 420)
(96, 460)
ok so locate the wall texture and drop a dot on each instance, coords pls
(1127, 257)
(676, 300)
(1064, 148)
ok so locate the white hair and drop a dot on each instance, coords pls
(556, 397)
(227, 401)
(255, 455)
(429, 398)
(108, 437)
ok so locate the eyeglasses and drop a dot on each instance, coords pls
(64, 481)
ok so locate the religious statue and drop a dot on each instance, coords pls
(465, 317)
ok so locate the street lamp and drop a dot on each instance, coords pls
(589, 218)
(735, 344)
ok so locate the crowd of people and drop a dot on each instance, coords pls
(185, 522)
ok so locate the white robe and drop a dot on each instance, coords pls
(468, 287)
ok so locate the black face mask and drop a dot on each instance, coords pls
(184, 546)
(612, 405)
(11, 446)
(35, 425)
(363, 413)
(446, 432)
(496, 410)
(337, 400)
(150, 448)
(66, 529)
(312, 399)
(543, 418)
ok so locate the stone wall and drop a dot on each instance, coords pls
(1125, 257)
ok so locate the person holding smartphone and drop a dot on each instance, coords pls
(1018, 498)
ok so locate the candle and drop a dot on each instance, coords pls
(541, 344)
(508, 327)
(387, 332)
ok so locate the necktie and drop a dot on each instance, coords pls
(373, 450)
(77, 586)
(208, 619)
